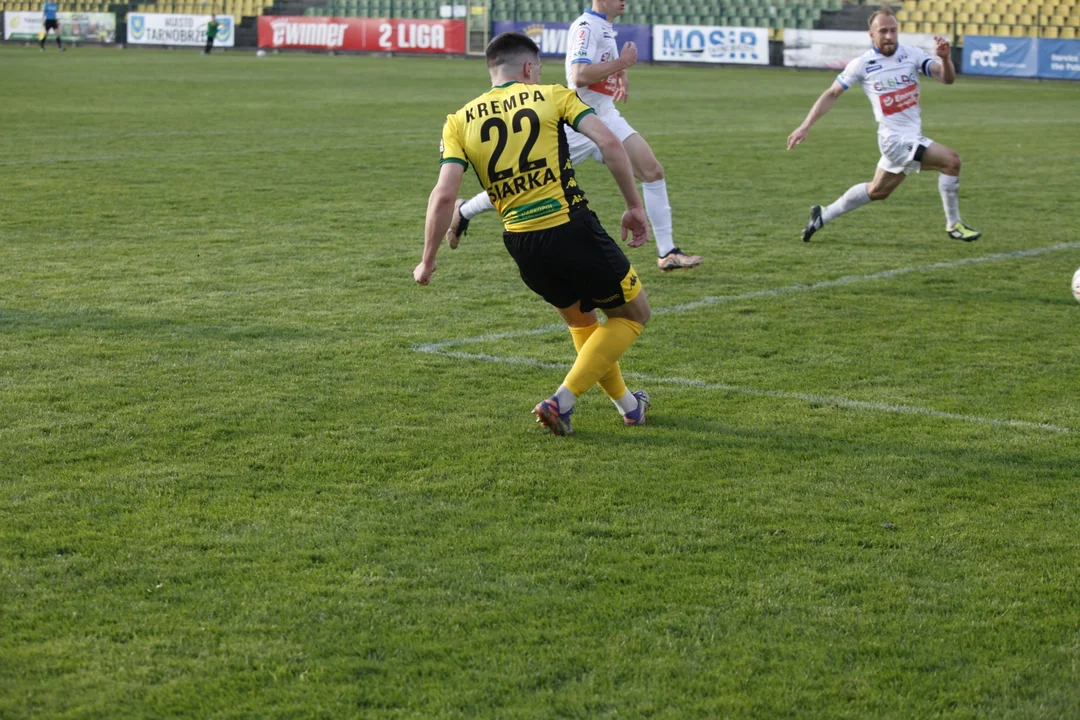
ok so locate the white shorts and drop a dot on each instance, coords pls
(898, 153)
(582, 148)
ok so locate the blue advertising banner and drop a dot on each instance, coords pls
(1059, 59)
(1015, 57)
(551, 36)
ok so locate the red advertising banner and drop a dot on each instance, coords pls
(362, 34)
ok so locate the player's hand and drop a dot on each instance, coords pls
(635, 224)
(797, 138)
(622, 88)
(942, 50)
(629, 54)
(423, 272)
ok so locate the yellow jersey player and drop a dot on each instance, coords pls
(514, 136)
(597, 69)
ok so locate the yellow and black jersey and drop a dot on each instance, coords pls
(515, 139)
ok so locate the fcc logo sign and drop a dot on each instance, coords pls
(988, 58)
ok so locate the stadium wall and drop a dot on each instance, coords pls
(1023, 57)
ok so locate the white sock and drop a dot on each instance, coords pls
(854, 198)
(627, 403)
(949, 187)
(475, 205)
(659, 211)
(566, 399)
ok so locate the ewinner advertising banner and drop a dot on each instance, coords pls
(182, 30)
(834, 49)
(362, 34)
(711, 44)
(74, 27)
(551, 37)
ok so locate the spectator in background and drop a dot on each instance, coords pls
(211, 33)
(51, 23)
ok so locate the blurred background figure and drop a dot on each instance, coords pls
(211, 33)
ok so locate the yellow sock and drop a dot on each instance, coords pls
(600, 353)
(612, 381)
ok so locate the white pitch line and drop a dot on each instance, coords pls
(720, 299)
(439, 348)
(775, 394)
(851, 279)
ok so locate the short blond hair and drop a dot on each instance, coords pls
(880, 11)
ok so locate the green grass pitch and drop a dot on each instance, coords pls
(250, 469)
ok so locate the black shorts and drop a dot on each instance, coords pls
(52, 25)
(576, 261)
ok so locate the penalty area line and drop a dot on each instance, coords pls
(774, 394)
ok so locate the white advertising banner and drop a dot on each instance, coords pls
(711, 44)
(22, 25)
(74, 26)
(184, 30)
(834, 49)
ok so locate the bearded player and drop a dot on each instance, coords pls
(888, 73)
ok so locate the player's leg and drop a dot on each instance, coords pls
(597, 360)
(59, 42)
(583, 260)
(464, 211)
(947, 161)
(43, 37)
(879, 188)
(899, 156)
(650, 172)
(582, 326)
(603, 347)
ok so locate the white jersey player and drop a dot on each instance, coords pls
(889, 75)
(596, 68)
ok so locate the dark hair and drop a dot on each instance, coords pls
(508, 46)
(880, 11)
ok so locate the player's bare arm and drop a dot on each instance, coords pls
(585, 74)
(618, 163)
(822, 106)
(944, 70)
(440, 211)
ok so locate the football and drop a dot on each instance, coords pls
(1076, 285)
